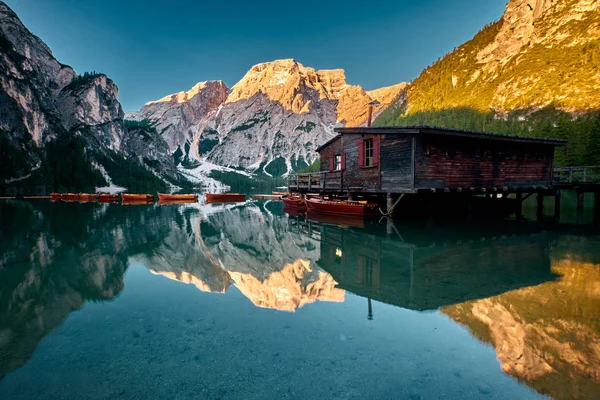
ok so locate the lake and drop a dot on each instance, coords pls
(246, 301)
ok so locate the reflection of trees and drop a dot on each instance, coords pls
(47, 270)
(525, 294)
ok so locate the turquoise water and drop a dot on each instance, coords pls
(245, 301)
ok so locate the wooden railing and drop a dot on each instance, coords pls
(317, 181)
(577, 175)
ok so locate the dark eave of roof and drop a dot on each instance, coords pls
(327, 143)
(432, 130)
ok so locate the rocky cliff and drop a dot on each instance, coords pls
(91, 106)
(179, 116)
(270, 122)
(30, 80)
(58, 130)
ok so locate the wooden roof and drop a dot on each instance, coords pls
(430, 130)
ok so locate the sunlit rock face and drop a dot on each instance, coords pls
(517, 29)
(541, 54)
(547, 336)
(280, 112)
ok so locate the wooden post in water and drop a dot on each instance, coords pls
(519, 210)
(557, 206)
(390, 202)
(540, 206)
(580, 201)
(597, 207)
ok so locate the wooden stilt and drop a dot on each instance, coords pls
(597, 208)
(540, 206)
(580, 203)
(557, 206)
(519, 210)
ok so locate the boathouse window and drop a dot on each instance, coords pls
(368, 153)
(425, 147)
(337, 162)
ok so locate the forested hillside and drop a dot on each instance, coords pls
(536, 72)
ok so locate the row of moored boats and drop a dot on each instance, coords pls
(143, 198)
(298, 203)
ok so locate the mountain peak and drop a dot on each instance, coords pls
(185, 96)
(290, 83)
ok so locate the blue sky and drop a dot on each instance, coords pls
(152, 48)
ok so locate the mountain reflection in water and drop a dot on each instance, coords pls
(533, 295)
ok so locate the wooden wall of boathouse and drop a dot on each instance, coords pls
(409, 160)
(456, 162)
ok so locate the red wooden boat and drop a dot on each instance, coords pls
(127, 197)
(71, 197)
(296, 202)
(358, 208)
(86, 197)
(108, 198)
(177, 197)
(225, 197)
(57, 196)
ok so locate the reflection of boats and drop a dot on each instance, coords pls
(163, 197)
(358, 208)
(296, 202)
(57, 196)
(108, 198)
(265, 197)
(166, 202)
(86, 197)
(136, 202)
(137, 198)
(336, 219)
(71, 197)
(225, 197)
(294, 212)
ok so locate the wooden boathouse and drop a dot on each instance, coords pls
(399, 161)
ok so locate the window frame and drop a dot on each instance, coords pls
(337, 162)
(368, 161)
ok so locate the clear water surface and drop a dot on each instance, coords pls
(246, 301)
